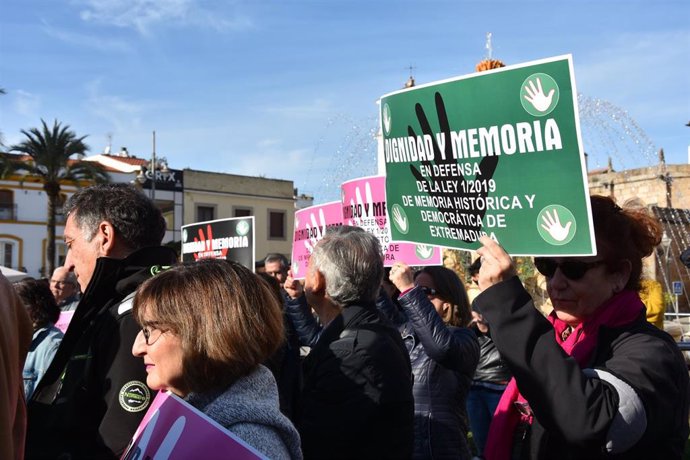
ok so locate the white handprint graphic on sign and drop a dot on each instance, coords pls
(536, 96)
(556, 225)
(424, 251)
(552, 224)
(400, 219)
(539, 94)
(387, 118)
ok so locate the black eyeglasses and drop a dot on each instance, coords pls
(428, 291)
(151, 333)
(571, 269)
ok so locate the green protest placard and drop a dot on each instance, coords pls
(496, 153)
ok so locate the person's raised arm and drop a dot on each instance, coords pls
(455, 348)
(299, 313)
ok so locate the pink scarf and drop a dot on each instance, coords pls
(621, 309)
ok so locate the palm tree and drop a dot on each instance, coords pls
(5, 168)
(2, 91)
(51, 151)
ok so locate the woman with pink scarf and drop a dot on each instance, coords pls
(593, 379)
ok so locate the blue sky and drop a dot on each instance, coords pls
(288, 89)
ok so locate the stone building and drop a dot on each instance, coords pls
(665, 191)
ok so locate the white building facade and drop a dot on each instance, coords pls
(24, 208)
(23, 225)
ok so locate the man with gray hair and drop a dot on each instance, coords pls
(277, 266)
(63, 285)
(93, 395)
(357, 396)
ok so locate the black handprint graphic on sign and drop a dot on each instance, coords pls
(472, 219)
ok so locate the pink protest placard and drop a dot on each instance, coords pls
(364, 205)
(173, 429)
(63, 320)
(310, 225)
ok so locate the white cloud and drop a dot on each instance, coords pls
(119, 112)
(26, 104)
(277, 161)
(99, 43)
(142, 15)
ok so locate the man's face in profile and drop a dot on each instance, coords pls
(81, 254)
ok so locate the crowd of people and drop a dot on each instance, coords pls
(356, 361)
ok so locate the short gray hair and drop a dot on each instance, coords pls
(351, 262)
(70, 277)
(274, 257)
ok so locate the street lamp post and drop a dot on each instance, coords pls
(665, 245)
(154, 167)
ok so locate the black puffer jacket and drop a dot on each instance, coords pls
(443, 360)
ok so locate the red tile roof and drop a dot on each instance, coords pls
(128, 160)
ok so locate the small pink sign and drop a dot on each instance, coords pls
(173, 429)
(64, 320)
(364, 205)
(310, 225)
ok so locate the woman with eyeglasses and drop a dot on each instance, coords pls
(206, 329)
(443, 352)
(594, 379)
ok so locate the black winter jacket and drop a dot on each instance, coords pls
(305, 325)
(491, 369)
(286, 366)
(576, 414)
(357, 396)
(94, 394)
(443, 360)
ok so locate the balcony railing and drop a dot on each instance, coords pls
(8, 211)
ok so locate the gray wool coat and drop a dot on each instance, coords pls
(249, 408)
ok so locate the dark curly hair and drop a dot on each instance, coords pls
(39, 301)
